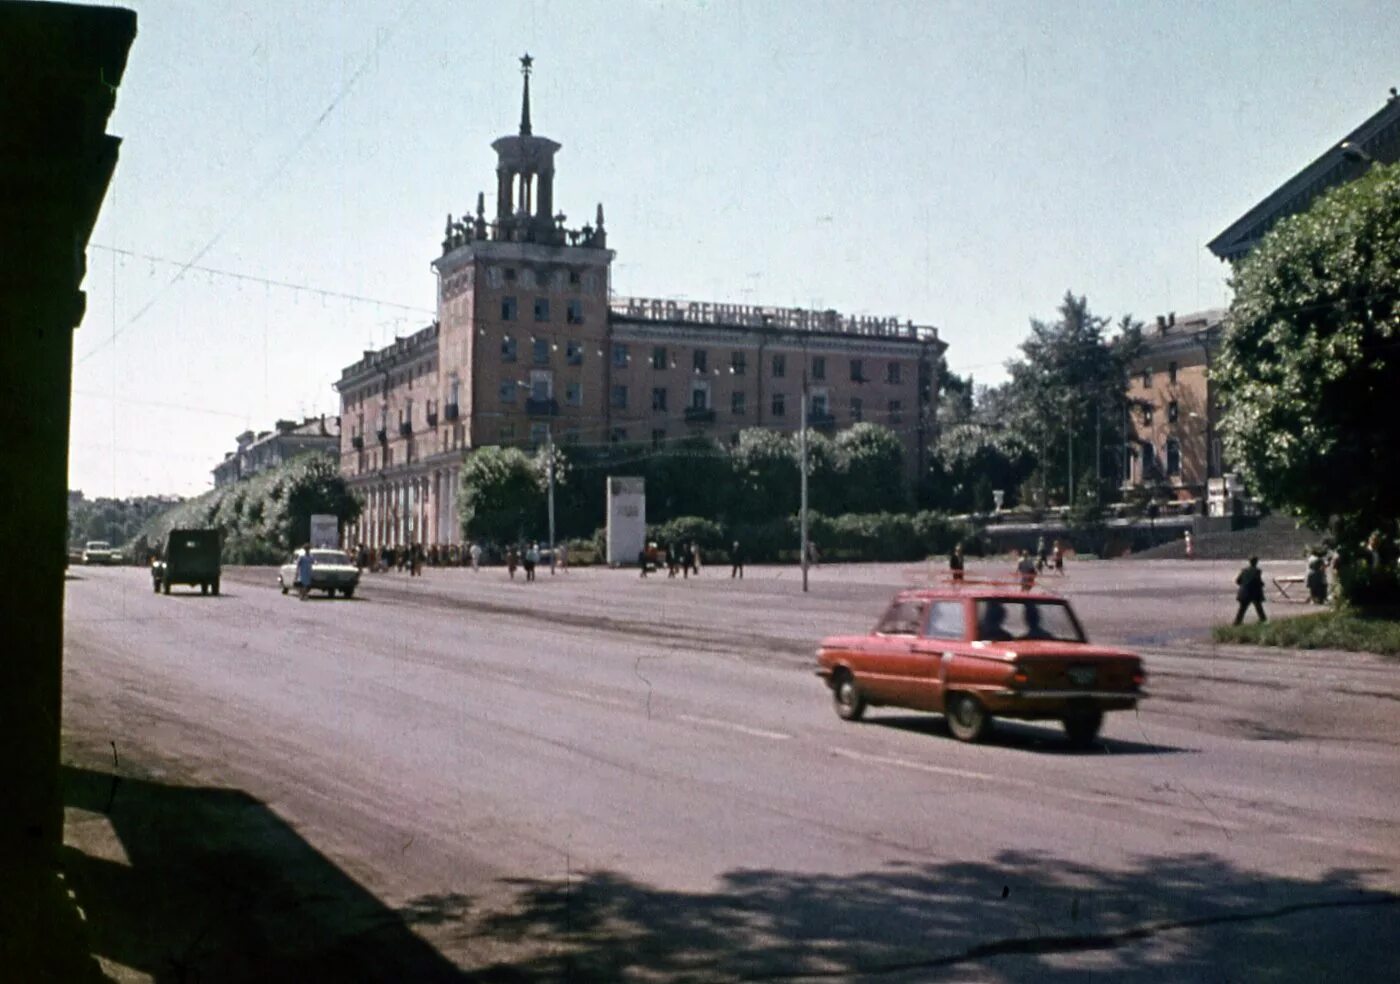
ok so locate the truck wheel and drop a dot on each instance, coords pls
(1082, 727)
(155, 585)
(214, 588)
(850, 705)
(165, 586)
(348, 592)
(967, 718)
(203, 589)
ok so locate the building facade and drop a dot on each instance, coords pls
(530, 347)
(1173, 444)
(267, 449)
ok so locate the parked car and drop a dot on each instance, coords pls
(980, 651)
(190, 557)
(331, 571)
(99, 552)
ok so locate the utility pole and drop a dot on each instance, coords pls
(1098, 447)
(1069, 440)
(802, 511)
(549, 450)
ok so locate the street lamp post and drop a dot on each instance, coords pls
(802, 511)
(549, 451)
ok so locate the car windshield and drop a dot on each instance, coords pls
(1003, 620)
(329, 557)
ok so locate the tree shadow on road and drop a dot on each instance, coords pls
(1024, 917)
(208, 884)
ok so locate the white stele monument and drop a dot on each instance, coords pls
(627, 519)
(325, 531)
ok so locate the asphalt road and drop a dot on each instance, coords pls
(600, 777)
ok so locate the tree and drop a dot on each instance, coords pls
(503, 494)
(872, 457)
(766, 475)
(1068, 391)
(1309, 366)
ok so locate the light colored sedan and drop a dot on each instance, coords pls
(331, 571)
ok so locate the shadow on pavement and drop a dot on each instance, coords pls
(209, 884)
(1188, 917)
(1043, 737)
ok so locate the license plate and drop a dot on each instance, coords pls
(1083, 676)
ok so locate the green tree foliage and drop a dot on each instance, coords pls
(503, 495)
(1310, 366)
(766, 476)
(117, 521)
(263, 517)
(872, 458)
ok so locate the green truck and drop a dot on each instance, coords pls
(191, 557)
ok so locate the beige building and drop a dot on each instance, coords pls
(527, 347)
(1172, 420)
(268, 449)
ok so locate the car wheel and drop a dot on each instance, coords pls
(967, 718)
(204, 589)
(850, 705)
(155, 585)
(348, 592)
(1082, 727)
(165, 586)
(282, 584)
(214, 588)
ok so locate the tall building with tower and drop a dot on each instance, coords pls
(530, 344)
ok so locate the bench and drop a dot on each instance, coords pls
(1284, 583)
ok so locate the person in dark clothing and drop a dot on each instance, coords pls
(1317, 579)
(1251, 592)
(736, 561)
(955, 562)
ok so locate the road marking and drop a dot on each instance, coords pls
(941, 770)
(598, 699)
(731, 726)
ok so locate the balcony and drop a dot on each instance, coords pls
(432, 418)
(821, 421)
(699, 415)
(357, 441)
(382, 435)
(542, 408)
(452, 411)
(405, 428)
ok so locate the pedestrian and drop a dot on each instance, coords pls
(532, 559)
(476, 555)
(686, 560)
(736, 560)
(1317, 578)
(694, 558)
(563, 555)
(303, 577)
(415, 560)
(1026, 569)
(955, 563)
(1190, 545)
(1041, 553)
(1057, 553)
(673, 559)
(1251, 592)
(512, 561)
(642, 561)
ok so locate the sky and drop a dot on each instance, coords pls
(286, 170)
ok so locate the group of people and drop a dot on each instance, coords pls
(682, 558)
(414, 557)
(530, 557)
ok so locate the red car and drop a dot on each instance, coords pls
(978, 651)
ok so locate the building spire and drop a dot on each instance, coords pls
(525, 62)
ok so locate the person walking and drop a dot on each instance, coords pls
(1057, 554)
(1026, 569)
(303, 577)
(736, 561)
(512, 561)
(532, 559)
(686, 560)
(475, 555)
(673, 559)
(1190, 545)
(1041, 553)
(955, 563)
(694, 558)
(562, 550)
(1251, 591)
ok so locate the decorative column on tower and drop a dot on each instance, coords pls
(525, 177)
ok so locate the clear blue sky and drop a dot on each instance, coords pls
(960, 164)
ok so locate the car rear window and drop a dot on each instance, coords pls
(946, 620)
(1001, 620)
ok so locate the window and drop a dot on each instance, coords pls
(857, 409)
(508, 309)
(1147, 378)
(819, 405)
(619, 397)
(540, 348)
(779, 405)
(1171, 373)
(541, 309)
(573, 312)
(779, 366)
(738, 362)
(617, 435)
(892, 373)
(539, 433)
(946, 620)
(700, 395)
(819, 367)
(573, 352)
(658, 437)
(738, 404)
(1172, 412)
(507, 349)
(1173, 457)
(658, 398)
(1147, 413)
(701, 360)
(541, 384)
(506, 433)
(620, 357)
(573, 394)
(1000, 621)
(508, 391)
(658, 357)
(575, 278)
(903, 618)
(896, 412)
(510, 274)
(857, 370)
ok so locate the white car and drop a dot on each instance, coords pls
(99, 552)
(331, 571)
